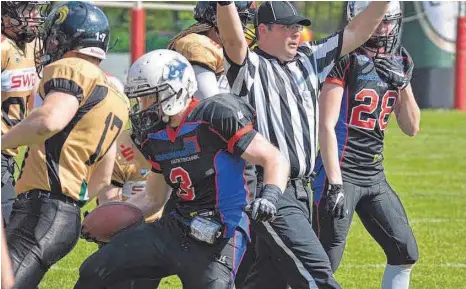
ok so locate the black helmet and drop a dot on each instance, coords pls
(25, 17)
(206, 11)
(73, 26)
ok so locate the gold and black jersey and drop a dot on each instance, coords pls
(201, 50)
(130, 164)
(18, 80)
(65, 162)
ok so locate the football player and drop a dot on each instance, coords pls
(201, 45)
(71, 139)
(356, 102)
(20, 21)
(198, 151)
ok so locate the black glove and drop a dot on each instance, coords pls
(335, 201)
(397, 71)
(264, 208)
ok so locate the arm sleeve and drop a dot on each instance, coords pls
(206, 82)
(241, 76)
(339, 72)
(323, 54)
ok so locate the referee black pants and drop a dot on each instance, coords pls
(288, 250)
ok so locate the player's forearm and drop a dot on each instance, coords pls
(276, 171)
(329, 152)
(109, 193)
(409, 114)
(34, 129)
(360, 29)
(231, 32)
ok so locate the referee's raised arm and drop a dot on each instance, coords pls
(231, 31)
(361, 27)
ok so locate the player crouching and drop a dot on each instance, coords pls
(198, 151)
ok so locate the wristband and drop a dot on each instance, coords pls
(271, 193)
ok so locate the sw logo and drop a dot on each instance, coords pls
(18, 79)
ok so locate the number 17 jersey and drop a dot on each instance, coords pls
(364, 114)
(64, 163)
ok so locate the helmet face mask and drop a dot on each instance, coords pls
(381, 41)
(24, 18)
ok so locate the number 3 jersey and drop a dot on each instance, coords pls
(201, 159)
(365, 110)
(66, 161)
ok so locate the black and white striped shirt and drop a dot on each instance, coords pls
(285, 96)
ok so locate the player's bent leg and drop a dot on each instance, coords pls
(137, 252)
(332, 232)
(214, 266)
(8, 190)
(385, 219)
(41, 233)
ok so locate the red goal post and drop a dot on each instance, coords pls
(460, 83)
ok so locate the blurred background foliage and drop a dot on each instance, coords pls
(162, 25)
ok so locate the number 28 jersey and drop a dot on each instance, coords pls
(364, 114)
(201, 159)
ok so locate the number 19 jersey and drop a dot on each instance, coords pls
(364, 114)
(64, 163)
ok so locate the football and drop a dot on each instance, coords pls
(106, 220)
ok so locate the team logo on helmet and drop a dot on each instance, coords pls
(62, 13)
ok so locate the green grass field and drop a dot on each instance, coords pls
(428, 172)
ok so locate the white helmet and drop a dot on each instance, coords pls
(166, 75)
(394, 13)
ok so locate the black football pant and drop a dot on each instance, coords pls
(288, 251)
(40, 233)
(161, 249)
(8, 187)
(384, 217)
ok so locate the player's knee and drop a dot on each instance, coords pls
(407, 253)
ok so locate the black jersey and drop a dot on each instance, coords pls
(364, 114)
(201, 159)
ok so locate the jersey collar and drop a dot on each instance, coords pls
(173, 133)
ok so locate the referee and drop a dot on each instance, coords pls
(282, 80)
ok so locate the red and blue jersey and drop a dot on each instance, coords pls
(366, 106)
(201, 159)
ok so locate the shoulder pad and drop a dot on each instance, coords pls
(74, 75)
(201, 50)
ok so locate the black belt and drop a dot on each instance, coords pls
(41, 194)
